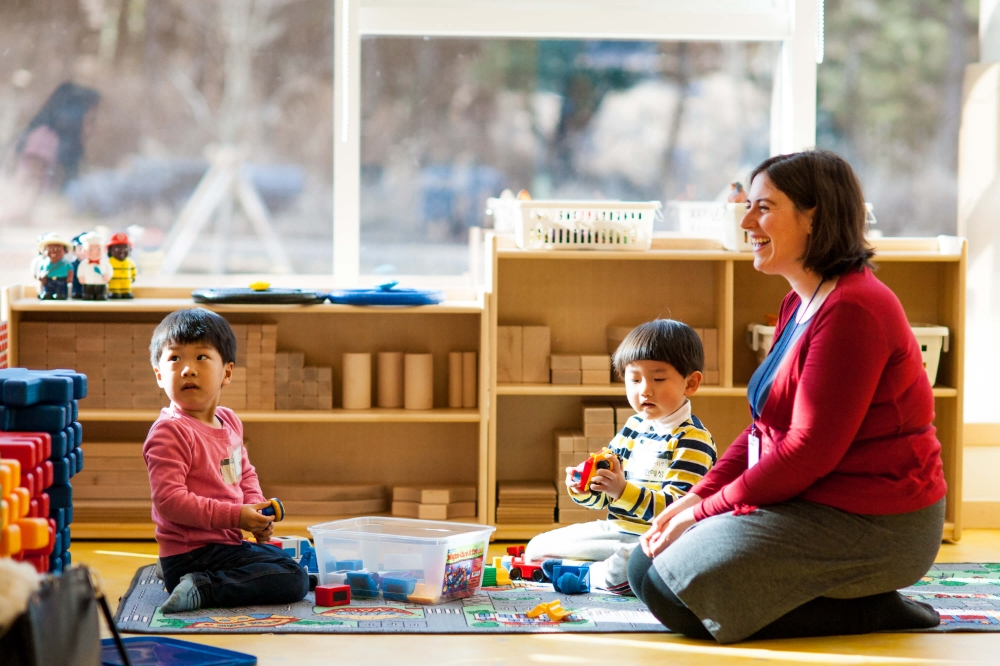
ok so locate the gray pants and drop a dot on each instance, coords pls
(597, 541)
(740, 573)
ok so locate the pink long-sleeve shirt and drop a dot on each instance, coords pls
(193, 505)
(848, 422)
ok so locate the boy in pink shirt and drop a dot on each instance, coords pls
(204, 488)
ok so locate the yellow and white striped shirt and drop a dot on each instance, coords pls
(662, 461)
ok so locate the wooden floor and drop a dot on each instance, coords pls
(117, 561)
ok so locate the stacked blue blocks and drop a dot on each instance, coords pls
(47, 401)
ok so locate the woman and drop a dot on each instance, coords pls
(833, 497)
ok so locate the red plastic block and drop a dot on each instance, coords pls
(333, 595)
(40, 562)
(28, 453)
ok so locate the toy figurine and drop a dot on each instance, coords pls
(79, 252)
(584, 473)
(93, 269)
(55, 272)
(736, 193)
(123, 275)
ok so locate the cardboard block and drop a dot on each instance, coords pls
(598, 362)
(595, 444)
(446, 511)
(580, 443)
(324, 374)
(509, 354)
(32, 330)
(442, 494)
(60, 360)
(565, 362)
(563, 441)
(595, 377)
(536, 347)
(598, 412)
(296, 360)
(118, 332)
(605, 430)
(566, 376)
(61, 330)
(310, 374)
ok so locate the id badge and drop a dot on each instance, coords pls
(753, 449)
(232, 466)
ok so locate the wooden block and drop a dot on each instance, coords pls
(143, 332)
(405, 509)
(565, 362)
(296, 360)
(142, 373)
(295, 374)
(509, 350)
(580, 443)
(269, 330)
(595, 444)
(281, 359)
(296, 389)
(35, 360)
(605, 430)
(281, 402)
(322, 492)
(622, 414)
(566, 459)
(325, 401)
(470, 388)
(310, 402)
(312, 389)
(61, 330)
(325, 389)
(566, 377)
(309, 374)
(446, 511)
(61, 359)
(240, 331)
(441, 494)
(145, 402)
(454, 380)
(93, 400)
(281, 375)
(89, 330)
(598, 362)
(390, 379)
(341, 508)
(595, 376)
(296, 402)
(90, 344)
(111, 449)
(31, 331)
(324, 374)
(117, 401)
(117, 386)
(357, 381)
(581, 515)
(565, 501)
(562, 440)
(253, 361)
(711, 345)
(118, 331)
(598, 412)
(536, 347)
(418, 381)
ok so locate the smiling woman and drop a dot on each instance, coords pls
(832, 498)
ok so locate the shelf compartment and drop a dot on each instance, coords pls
(374, 415)
(614, 389)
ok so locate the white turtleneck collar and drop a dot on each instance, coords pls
(671, 421)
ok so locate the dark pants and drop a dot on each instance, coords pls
(244, 575)
(55, 289)
(95, 292)
(820, 617)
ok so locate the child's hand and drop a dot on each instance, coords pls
(610, 481)
(569, 478)
(252, 520)
(263, 536)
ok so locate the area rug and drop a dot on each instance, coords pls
(967, 596)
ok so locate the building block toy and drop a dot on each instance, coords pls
(20, 387)
(364, 585)
(308, 560)
(45, 418)
(571, 578)
(276, 509)
(553, 609)
(584, 473)
(333, 595)
(515, 551)
(503, 576)
(293, 545)
(398, 588)
(422, 595)
(489, 576)
(349, 565)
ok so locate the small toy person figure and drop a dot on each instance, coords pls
(94, 271)
(119, 249)
(79, 252)
(56, 270)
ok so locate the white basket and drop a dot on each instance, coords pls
(714, 219)
(932, 340)
(576, 225)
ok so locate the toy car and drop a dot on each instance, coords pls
(584, 473)
(521, 568)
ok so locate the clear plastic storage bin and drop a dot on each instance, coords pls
(440, 560)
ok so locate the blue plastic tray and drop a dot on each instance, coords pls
(387, 293)
(163, 651)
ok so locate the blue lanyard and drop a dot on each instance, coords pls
(778, 348)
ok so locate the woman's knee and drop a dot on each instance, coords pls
(669, 609)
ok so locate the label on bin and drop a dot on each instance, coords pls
(463, 569)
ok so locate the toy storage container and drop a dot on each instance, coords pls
(576, 225)
(445, 558)
(932, 340)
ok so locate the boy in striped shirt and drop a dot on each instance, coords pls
(664, 451)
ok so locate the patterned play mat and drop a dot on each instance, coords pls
(966, 595)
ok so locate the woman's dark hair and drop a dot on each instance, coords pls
(194, 325)
(666, 340)
(823, 180)
(64, 112)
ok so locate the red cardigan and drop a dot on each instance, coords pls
(848, 420)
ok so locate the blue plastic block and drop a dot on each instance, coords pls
(60, 472)
(58, 547)
(64, 533)
(69, 514)
(73, 462)
(55, 564)
(60, 495)
(74, 410)
(67, 559)
(22, 388)
(349, 565)
(571, 579)
(39, 418)
(59, 515)
(77, 434)
(363, 585)
(79, 460)
(60, 444)
(398, 588)
(308, 559)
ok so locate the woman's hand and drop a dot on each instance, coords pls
(661, 522)
(252, 520)
(674, 529)
(610, 481)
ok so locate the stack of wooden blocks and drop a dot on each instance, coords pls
(526, 502)
(601, 421)
(114, 486)
(523, 354)
(115, 358)
(299, 386)
(434, 502)
(253, 385)
(710, 342)
(581, 369)
(301, 499)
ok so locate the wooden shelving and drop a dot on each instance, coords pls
(374, 415)
(578, 294)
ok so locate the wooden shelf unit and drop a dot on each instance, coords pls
(578, 294)
(338, 447)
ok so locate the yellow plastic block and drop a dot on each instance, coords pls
(422, 595)
(503, 576)
(15, 472)
(10, 541)
(14, 502)
(7, 477)
(34, 533)
(25, 502)
(4, 513)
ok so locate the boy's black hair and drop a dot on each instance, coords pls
(192, 325)
(666, 340)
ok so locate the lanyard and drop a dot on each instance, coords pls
(778, 351)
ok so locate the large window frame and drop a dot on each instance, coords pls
(793, 23)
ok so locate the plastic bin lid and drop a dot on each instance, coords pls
(387, 293)
(383, 528)
(163, 651)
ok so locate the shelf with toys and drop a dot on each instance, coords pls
(578, 304)
(289, 390)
